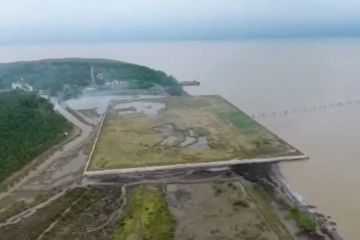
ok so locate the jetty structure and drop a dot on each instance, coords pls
(190, 83)
(181, 133)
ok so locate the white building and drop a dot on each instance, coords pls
(21, 85)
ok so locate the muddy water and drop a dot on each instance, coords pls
(269, 76)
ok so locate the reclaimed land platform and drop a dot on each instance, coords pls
(179, 133)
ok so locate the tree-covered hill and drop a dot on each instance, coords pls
(53, 74)
(28, 126)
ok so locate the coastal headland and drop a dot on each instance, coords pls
(149, 161)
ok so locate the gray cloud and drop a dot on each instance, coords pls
(117, 20)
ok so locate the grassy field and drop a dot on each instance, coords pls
(147, 216)
(188, 130)
(263, 202)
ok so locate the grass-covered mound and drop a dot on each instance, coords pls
(54, 74)
(28, 126)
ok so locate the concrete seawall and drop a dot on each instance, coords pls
(96, 139)
(203, 165)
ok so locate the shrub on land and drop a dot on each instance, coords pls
(303, 220)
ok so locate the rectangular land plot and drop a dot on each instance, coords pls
(181, 130)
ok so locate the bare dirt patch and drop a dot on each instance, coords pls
(216, 211)
(76, 215)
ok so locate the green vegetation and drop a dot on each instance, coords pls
(170, 137)
(303, 220)
(28, 126)
(146, 217)
(57, 74)
(263, 202)
(241, 121)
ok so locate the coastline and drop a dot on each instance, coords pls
(298, 200)
(267, 169)
(327, 228)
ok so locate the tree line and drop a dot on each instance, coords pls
(54, 74)
(28, 126)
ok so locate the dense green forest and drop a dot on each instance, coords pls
(54, 74)
(28, 126)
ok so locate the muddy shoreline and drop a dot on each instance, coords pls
(269, 175)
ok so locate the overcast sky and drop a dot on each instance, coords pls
(124, 20)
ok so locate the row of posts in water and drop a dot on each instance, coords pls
(318, 108)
